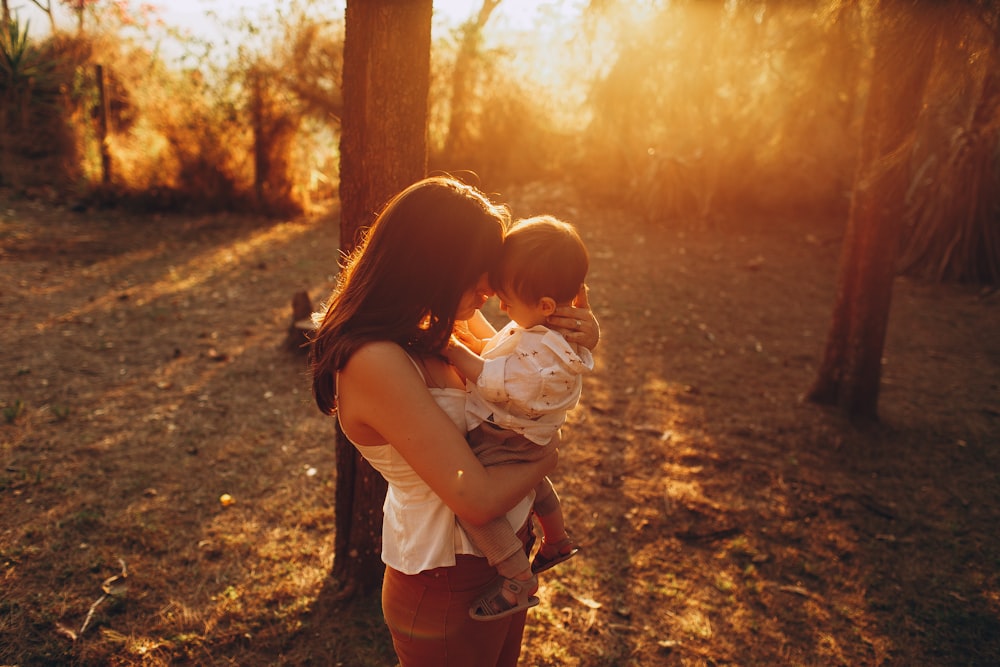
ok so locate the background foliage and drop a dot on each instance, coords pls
(707, 151)
(686, 110)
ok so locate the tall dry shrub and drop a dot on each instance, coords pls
(37, 147)
(493, 115)
(467, 66)
(256, 131)
(287, 72)
(952, 228)
(711, 104)
(274, 129)
(522, 143)
(508, 139)
(174, 143)
(163, 140)
(196, 135)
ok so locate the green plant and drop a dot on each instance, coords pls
(22, 68)
(15, 51)
(11, 413)
(60, 412)
(26, 83)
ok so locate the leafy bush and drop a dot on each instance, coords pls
(36, 143)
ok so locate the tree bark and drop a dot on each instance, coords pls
(849, 376)
(103, 120)
(383, 148)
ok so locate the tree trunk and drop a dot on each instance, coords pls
(849, 376)
(256, 108)
(383, 148)
(103, 120)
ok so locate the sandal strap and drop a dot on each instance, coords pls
(565, 549)
(562, 547)
(495, 605)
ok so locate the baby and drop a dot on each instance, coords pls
(522, 381)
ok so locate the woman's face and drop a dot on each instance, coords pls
(474, 298)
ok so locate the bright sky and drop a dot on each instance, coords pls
(191, 15)
(518, 14)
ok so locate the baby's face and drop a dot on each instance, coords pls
(526, 314)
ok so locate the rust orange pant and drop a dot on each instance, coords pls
(428, 616)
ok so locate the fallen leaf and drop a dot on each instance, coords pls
(587, 602)
(66, 632)
(797, 590)
(116, 585)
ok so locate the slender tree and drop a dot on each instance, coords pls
(952, 231)
(462, 78)
(383, 148)
(905, 39)
(46, 7)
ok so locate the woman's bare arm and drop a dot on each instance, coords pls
(383, 399)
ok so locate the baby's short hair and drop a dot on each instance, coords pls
(542, 256)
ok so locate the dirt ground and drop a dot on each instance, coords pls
(724, 521)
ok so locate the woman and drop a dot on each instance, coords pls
(378, 363)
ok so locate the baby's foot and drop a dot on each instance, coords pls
(550, 555)
(505, 597)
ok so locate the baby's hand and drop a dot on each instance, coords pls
(468, 363)
(462, 335)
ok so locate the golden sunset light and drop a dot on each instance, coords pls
(551, 333)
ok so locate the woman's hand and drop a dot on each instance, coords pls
(468, 363)
(464, 335)
(479, 327)
(577, 323)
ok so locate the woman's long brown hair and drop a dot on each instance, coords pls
(405, 279)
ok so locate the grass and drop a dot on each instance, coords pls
(723, 520)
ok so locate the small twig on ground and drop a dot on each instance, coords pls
(691, 536)
(90, 614)
(115, 585)
(958, 496)
(798, 590)
(869, 503)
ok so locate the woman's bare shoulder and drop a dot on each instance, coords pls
(380, 369)
(377, 354)
(377, 380)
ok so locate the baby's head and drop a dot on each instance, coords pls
(543, 265)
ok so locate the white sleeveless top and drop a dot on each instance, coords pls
(420, 532)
